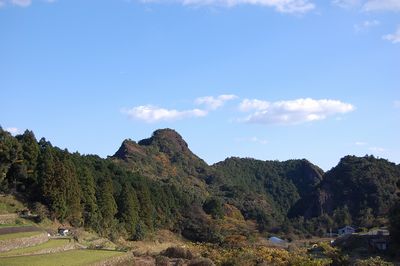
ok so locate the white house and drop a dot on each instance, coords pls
(63, 231)
(347, 230)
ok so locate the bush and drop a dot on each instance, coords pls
(201, 262)
(178, 252)
(374, 261)
(162, 261)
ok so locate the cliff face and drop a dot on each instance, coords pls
(356, 182)
(164, 154)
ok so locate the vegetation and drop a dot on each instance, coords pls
(158, 183)
(19, 235)
(52, 243)
(68, 258)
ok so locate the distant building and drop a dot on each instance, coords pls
(347, 230)
(379, 243)
(63, 231)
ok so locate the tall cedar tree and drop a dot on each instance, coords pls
(30, 154)
(128, 209)
(88, 197)
(107, 205)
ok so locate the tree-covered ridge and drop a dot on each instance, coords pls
(264, 190)
(86, 190)
(159, 183)
(365, 186)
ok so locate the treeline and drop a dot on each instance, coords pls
(86, 191)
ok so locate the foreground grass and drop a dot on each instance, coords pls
(67, 258)
(19, 235)
(53, 243)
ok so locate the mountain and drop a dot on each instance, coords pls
(164, 154)
(159, 182)
(356, 183)
(265, 190)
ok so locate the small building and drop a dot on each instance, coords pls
(347, 230)
(63, 231)
(380, 244)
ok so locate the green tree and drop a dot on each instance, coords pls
(214, 207)
(107, 205)
(88, 197)
(128, 209)
(394, 222)
(30, 154)
(342, 216)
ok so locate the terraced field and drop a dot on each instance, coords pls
(67, 258)
(52, 244)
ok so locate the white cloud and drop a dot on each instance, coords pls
(347, 3)
(382, 5)
(213, 103)
(293, 112)
(22, 3)
(254, 140)
(13, 130)
(396, 104)
(152, 114)
(365, 25)
(283, 6)
(254, 104)
(360, 143)
(394, 38)
(377, 149)
(259, 141)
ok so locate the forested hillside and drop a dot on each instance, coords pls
(159, 183)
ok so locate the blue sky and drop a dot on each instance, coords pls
(268, 79)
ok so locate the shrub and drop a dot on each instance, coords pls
(178, 252)
(201, 262)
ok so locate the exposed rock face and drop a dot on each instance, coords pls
(165, 154)
(356, 182)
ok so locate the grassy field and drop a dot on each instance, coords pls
(19, 235)
(67, 258)
(53, 243)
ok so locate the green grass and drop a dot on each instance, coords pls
(67, 258)
(52, 243)
(19, 235)
(9, 204)
(16, 225)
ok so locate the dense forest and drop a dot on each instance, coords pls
(159, 183)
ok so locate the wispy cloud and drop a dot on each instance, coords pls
(382, 5)
(13, 130)
(152, 114)
(254, 140)
(347, 3)
(21, 3)
(377, 149)
(394, 38)
(396, 104)
(360, 143)
(213, 103)
(366, 25)
(283, 6)
(292, 112)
